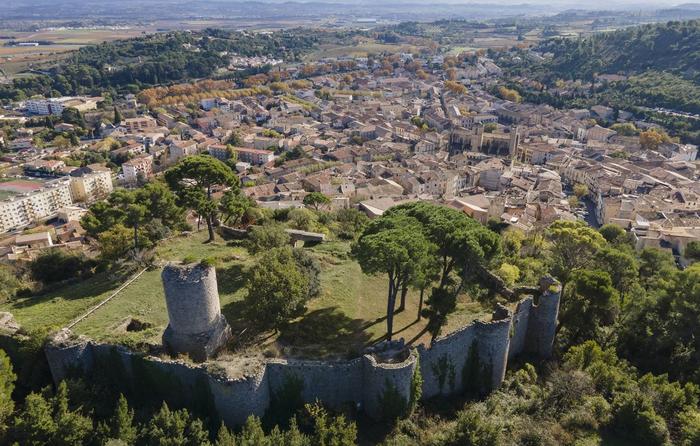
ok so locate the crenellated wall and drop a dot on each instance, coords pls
(478, 353)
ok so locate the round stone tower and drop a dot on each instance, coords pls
(196, 326)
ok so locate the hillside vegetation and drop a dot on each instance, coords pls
(659, 65)
(674, 47)
(129, 65)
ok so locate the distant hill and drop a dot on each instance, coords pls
(660, 64)
(673, 47)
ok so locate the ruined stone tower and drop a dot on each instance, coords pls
(196, 325)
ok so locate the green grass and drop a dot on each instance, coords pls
(58, 308)
(144, 299)
(348, 315)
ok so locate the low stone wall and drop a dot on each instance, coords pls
(472, 359)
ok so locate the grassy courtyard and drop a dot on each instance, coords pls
(348, 315)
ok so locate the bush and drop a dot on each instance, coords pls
(278, 288)
(57, 265)
(9, 283)
(303, 219)
(285, 401)
(690, 428)
(634, 417)
(393, 405)
(351, 222)
(473, 428)
(266, 237)
(312, 270)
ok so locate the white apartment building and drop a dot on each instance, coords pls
(55, 106)
(91, 186)
(140, 166)
(42, 204)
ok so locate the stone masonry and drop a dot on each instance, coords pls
(196, 326)
(362, 382)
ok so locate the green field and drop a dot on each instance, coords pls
(348, 315)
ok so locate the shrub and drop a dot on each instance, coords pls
(352, 222)
(634, 417)
(278, 288)
(56, 265)
(9, 283)
(473, 428)
(285, 401)
(267, 237)
(311, 268)
(303, 219)
(690, 427)
(416, 388)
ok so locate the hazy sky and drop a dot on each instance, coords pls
(556, 5)
(583, 4)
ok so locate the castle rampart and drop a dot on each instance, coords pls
(471, 359)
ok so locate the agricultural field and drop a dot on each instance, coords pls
(347, 316)
(14, 59)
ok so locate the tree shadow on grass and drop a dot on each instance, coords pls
(326, 332)
(230, 279)
(236, 314)
(370, 324)
(417, 336)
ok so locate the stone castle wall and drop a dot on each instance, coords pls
(332, 382)
(378, 378)
(529, 329)
(521, 320)
(236, 399)
(542, 327)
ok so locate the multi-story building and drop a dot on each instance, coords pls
(254, 156)
(181, 149)
(219, 151)
(139, 167)
(84, 185)
(140, 124)
(91, 184)
(42, 204)
(55, 106)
